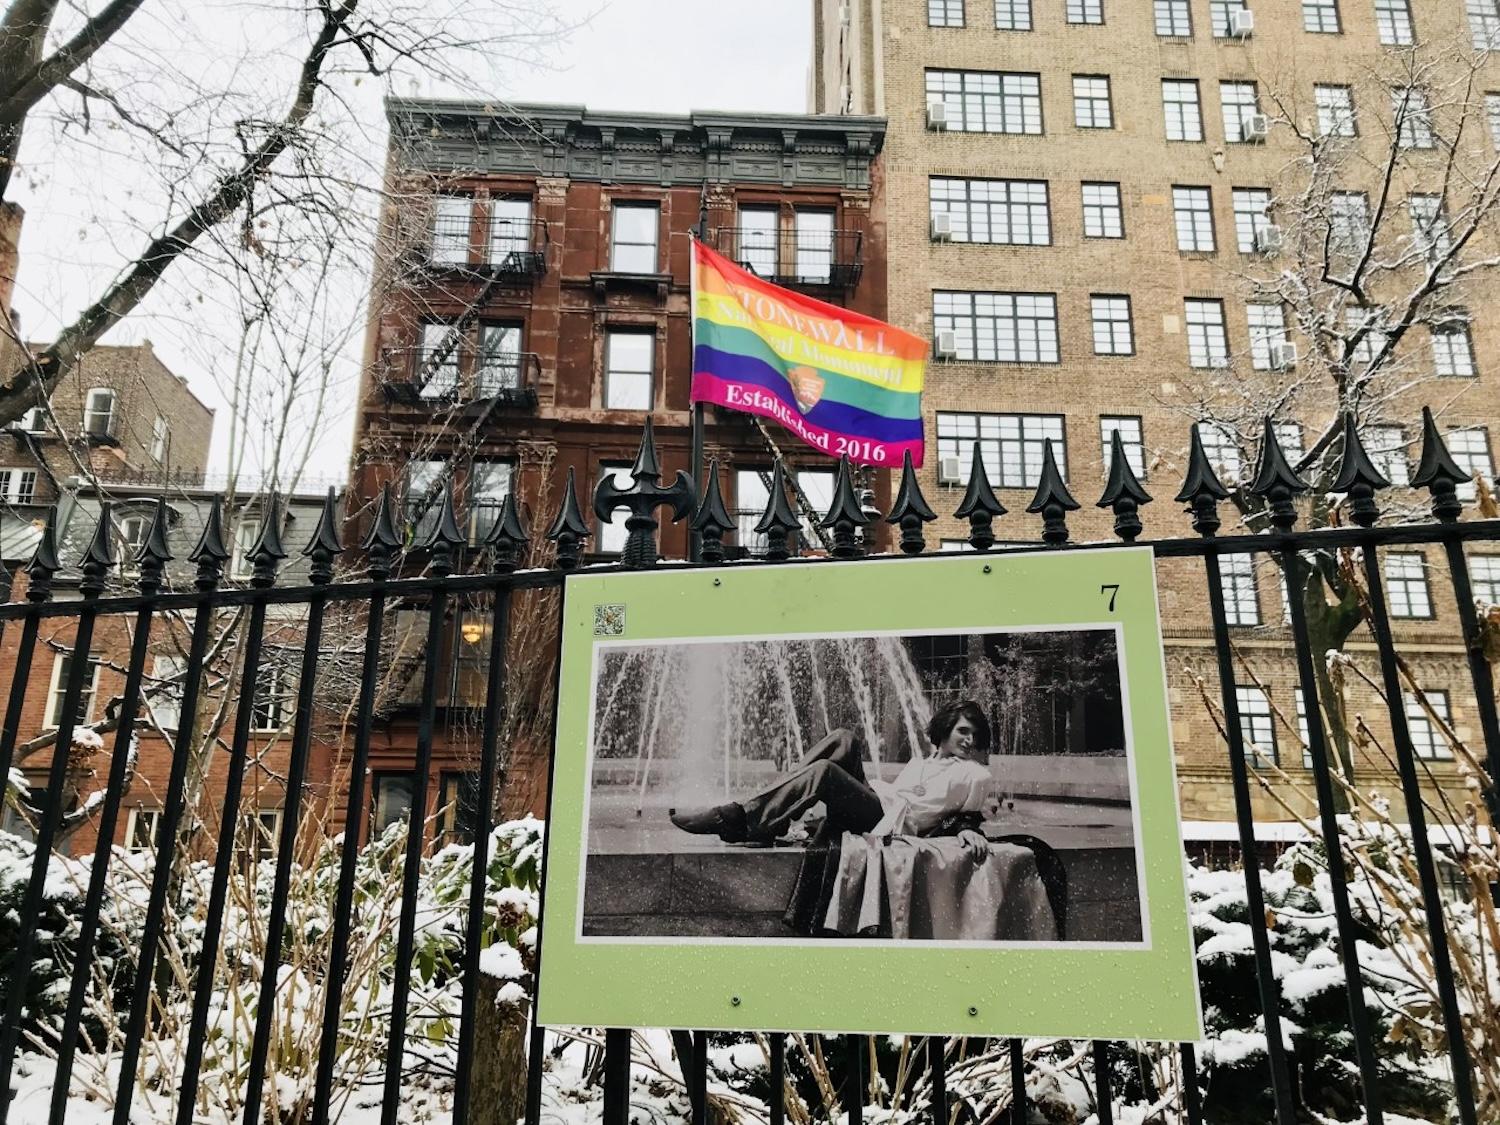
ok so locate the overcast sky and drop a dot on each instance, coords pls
(660, 56)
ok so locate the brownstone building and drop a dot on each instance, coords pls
(531, 312)
(1102, 215)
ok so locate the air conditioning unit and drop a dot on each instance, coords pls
(946, 344)
(1255, 127)
(1283, 355)
(950, 471)
(1268, 239)
(942, 227)
(937, 116)
(1242, 23)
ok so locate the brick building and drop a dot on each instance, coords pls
(531, 311)
(1093, 203)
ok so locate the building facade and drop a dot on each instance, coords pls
(1105, 222)
(530, 312)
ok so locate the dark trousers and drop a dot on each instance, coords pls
(833, 773)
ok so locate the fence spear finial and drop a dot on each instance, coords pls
(645, 494)
(911, 510)
(979, 505)
(446, 537)
(99, 556)
(381, 542)
(324, 546)
(845, 514)
(1438, 472)
(154, 554)
(1358, 476)
(268, 551)
(508, 536)
(1275, 479)
(1123, 492)
(569, 530)
(712, 521)
(1201, 489)
(778, 522)
(210, 553)
(1052, 500)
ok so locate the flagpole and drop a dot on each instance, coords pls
(695, 455)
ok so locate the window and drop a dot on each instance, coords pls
(62, 665)
(1237, 583)
(1335, 111)
(1239, 103)
(633, 238)
(1412, 113)
(1289, 437)
(34, 421)
(1492, 115)
(1221, 16)
(817, 487)
(1393, 22)
(160, 438)
(953, 546)
(1471, 452)
(18, 486)
(99, 412)
(1453, 350)
(1102, 217)
(510, 228)
(1179, 101)
(1011, 445)
(132, 532)
(1192, 207)
(259, 836)
(1174, 18)
(627, 370)
(1256, 727)
(759, 231)
(1005, 211)
(1131, 437)
(438, 361)
(1208, 344)
(611, 536)
(1427, 738)
(1321, 16)
(1221, 447)
(1386, 446)
(1484, 578)
(945, 13)
(750, 498)
(166, 700)
(1013, 15)
(983, 101)
(271, 705)
(1304, 735)
(499, 365)
(1374, 337)
(451, 215)
(1484, 23)
(1406, 584)
(1349, 220)
(1252, 207)
(391, 795)
(424, 483)
(1111, 316)
(1003, 327)
(1429, 230)
(458, 806)
(142, 828)
(246, 533)
(814, 231)
(1085, 11)
(1267, 330)
(1091, 102)
(489, 484)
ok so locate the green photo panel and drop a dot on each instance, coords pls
(928, 796)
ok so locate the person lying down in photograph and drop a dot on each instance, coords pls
(901, 859)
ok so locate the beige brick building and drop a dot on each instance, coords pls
(1078, 194)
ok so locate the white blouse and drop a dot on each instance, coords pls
(929, 789)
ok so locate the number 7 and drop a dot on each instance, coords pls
(1114, 593)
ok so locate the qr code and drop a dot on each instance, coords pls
(609, 621)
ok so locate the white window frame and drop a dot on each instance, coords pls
(166, 705)
(18, 485)
(621, 389)
(273, 699)
(246, 532)
(452, 229)
(510, 227)
(631, 256)
(135, 828)
(58, 688)
(92, 412)
(160, 432)
(759, 237)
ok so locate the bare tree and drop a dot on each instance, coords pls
(1367, 250)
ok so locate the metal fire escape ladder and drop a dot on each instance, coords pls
(456, 330)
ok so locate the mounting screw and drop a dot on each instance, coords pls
(986, 568)
(718, 581)
(973, 1011)
(735, 1000)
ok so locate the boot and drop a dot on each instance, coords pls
(727, 821)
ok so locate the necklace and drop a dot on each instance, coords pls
(920, 788)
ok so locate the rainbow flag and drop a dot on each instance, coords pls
(842, 382)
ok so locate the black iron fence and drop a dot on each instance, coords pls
(372, 586)
(799, 256)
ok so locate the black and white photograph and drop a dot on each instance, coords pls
(970, 787)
